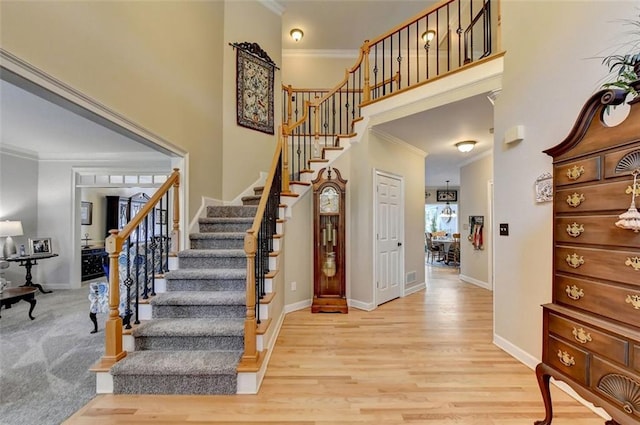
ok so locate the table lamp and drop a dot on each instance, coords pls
(8, 229)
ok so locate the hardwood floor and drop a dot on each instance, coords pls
(423, 359)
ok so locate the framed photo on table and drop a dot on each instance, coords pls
(447, 195)
(40, 246)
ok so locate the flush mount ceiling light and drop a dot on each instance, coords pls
(427, 36)
(466, 145)
(296, 34)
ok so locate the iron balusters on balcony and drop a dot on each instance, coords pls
(440, 40)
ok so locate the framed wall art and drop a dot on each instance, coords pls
(447, 195)
(254, 87)
(86, 213)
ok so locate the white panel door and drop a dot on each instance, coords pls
(388, 238)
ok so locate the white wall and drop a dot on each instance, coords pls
(18, 191)
(550, 70)
(474, 200)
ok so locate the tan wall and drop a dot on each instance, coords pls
(246, 152)
(474, 200)
(547, 78)
(298, 251)
(315, 72)
(157, 63)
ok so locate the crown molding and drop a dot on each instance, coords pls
(392, 139)
(86, 157)
(18, 152)
(321, 53)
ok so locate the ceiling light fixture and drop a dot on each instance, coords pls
(296, 34)
(466, 145)
(448, 212)
(427, 36)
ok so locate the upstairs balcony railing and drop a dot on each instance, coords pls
(442, 39)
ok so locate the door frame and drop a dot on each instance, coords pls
(377, 173)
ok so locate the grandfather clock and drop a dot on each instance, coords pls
(329, 287)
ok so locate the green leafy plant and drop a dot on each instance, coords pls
(625, 68)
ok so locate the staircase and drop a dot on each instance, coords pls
(195, 339)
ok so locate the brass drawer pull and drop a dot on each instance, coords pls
(574, 260)
(566, 359)
(634, 300)
(575, 172)
(575, 199)
(633, 262)
(574, 292)
(581, 336)
(575, 229)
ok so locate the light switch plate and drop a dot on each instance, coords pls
(504, 229)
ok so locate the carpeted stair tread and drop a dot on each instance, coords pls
(232, 211)
(217, 235)
(170, 363)
(190, 327)
(200, 274)
(211, 253)
(199, 298)
(212, 220)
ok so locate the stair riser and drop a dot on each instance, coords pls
(231, 211)
(213, 262)
(177, 343)
(174, 384)
(217, 243)
(190, 311)
(206, 285)
(224, 227)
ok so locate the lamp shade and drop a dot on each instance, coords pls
(11, 228)
(296, 34)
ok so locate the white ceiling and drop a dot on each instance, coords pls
(29, 123)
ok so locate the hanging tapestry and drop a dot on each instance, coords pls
(254, 90)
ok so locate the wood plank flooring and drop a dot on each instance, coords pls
(423, 359)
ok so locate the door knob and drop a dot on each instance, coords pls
(399, 243)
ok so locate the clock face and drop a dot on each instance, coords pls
(329, 200)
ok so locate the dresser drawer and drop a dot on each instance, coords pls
(611, 161)
(603, 197)
(585, 170)
(596, 229)
(619, 266)
(617, 384)
(595, 341)
(612, 301)
(568, 359)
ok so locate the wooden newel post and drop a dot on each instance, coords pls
(366, 89)
(113, 326)
(175, 234)
(289, 104)
(250, 355)
(284, 153)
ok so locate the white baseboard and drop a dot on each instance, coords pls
(476, 282)
(414, 288)
(531, 362)
(361, 305)
(297, 306)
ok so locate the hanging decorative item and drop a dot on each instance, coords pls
(254, 87)
(476, 225)
(544, 188)
(631, 218)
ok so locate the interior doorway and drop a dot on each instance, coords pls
(389, 228)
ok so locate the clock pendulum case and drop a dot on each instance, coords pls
(329, 286)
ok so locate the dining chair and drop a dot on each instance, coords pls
(432, 250)
(453, 254)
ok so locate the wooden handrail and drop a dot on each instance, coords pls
(113, 246)
(250, 356)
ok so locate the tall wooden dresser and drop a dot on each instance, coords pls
(591, 330)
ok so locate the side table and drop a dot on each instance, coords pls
(28, 261)
(11, 296)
